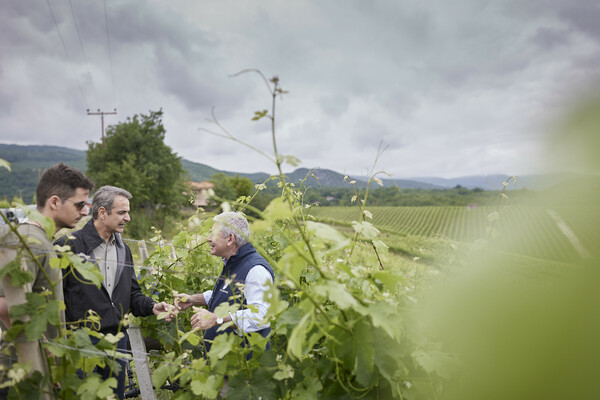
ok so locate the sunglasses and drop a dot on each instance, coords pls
(79, 205)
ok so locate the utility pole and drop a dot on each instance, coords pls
(39, 171)
(101, 114)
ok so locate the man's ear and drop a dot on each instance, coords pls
(53, 202)
(102, 213)
(231, 238)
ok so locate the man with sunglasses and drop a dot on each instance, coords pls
(62, 194)
(100, 241)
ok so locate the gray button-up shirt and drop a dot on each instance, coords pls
(106, 256)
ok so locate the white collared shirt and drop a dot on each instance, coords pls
(106, 257)
(254, 289)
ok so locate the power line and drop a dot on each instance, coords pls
(112, 77)
(102, 114)
(66, 53)
(83, 50)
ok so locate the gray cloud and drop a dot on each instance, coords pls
(452, 89)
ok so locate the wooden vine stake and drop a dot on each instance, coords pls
(138, 348)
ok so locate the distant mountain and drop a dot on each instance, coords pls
(41, 156)
(494, 182)
(489, 182)
(411, 183)
(317, 177)
(28, 161)
(201, 172)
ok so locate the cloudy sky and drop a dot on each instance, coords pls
(467, 87)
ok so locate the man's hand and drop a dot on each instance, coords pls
(203, 319)
(164, 311)
(184, 301)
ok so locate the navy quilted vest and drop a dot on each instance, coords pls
(235, 271)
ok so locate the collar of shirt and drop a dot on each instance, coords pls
(111, 240)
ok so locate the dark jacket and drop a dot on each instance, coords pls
(80, 296)
(236, 269)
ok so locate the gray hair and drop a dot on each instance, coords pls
(235, 223)
(105, 197)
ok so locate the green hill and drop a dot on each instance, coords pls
(27, 162)
(201, 172)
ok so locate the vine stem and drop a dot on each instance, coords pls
(362, 202)
(502, 195)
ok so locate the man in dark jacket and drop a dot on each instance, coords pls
(100, 241)
(243, 267)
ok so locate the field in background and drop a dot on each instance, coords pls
(527, 231)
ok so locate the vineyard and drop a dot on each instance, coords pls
(437, 302)
(529, 231)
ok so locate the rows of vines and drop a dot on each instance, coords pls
(524, 230)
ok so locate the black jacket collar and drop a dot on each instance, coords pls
(91, 239)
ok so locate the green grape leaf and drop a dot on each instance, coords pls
(4, 164)
(260, 385)
(365, 228)
(328, 234)
(384, 316)
(18, 277)
(41, 314)
(96, 388)
(291, 160)
(162, 373)
(365, 353)
(45, 222)
(433, 361)
(276, 305)
(289, 318)
(222, 344)
(293, 264)
(337, 293)
(298, 336)
(89, 271)
(389, 278)
(259, 114)
(309, 387)
(284, 371)
(277, 209)
(209, 388)
(191, 337)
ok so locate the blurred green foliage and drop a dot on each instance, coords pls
(530, 329)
